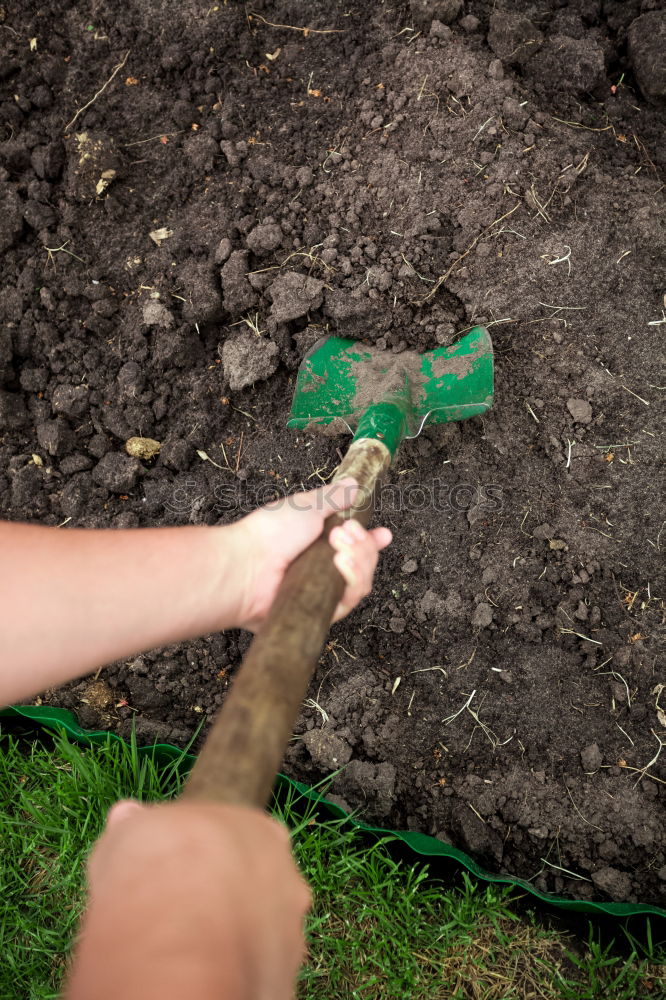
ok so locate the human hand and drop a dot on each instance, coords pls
(270, 538)
(190, 899)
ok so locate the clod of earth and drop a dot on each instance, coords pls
(70, 400)
(327, 750)
(265, 237)
(513, 37)
(647, 42)
(591, 757)
(294, 295)
(247, 358)
(238, 294)
(55, 436)
(155, 313)
(425, 11)
(483, 615)
(580, 410)
(117, 472)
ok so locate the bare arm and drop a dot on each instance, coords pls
(71, 601)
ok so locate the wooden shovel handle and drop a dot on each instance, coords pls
(246, 744)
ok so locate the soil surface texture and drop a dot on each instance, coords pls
(192, 193)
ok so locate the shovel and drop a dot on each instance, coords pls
(382, 398)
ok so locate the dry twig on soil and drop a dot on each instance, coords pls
(294, 27)
(443, 277)
(643, 771)
(100, 91)
(63, 249)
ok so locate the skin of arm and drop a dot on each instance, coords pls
(71, 601)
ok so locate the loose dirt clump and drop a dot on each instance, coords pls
(397, 175)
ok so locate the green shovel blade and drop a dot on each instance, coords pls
(392, 396)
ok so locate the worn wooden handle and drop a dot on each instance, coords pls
(246, 744)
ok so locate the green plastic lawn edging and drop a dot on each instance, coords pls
(61, 719)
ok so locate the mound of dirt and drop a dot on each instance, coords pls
(190, 196)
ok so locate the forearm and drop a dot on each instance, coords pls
(70, 604)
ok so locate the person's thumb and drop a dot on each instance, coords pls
(340, 494)
(121, 811)
(105, 850)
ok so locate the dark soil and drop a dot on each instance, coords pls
(397, 180)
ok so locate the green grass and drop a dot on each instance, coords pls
(379, 928)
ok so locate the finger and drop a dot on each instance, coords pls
(329, 499)
(352, 531)
(352, 572)
(356, 554)
(325, 500)
(122, 811)
(382, 537)
(340, 495)
(303, 514)
(356, 588)
(346, 539)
